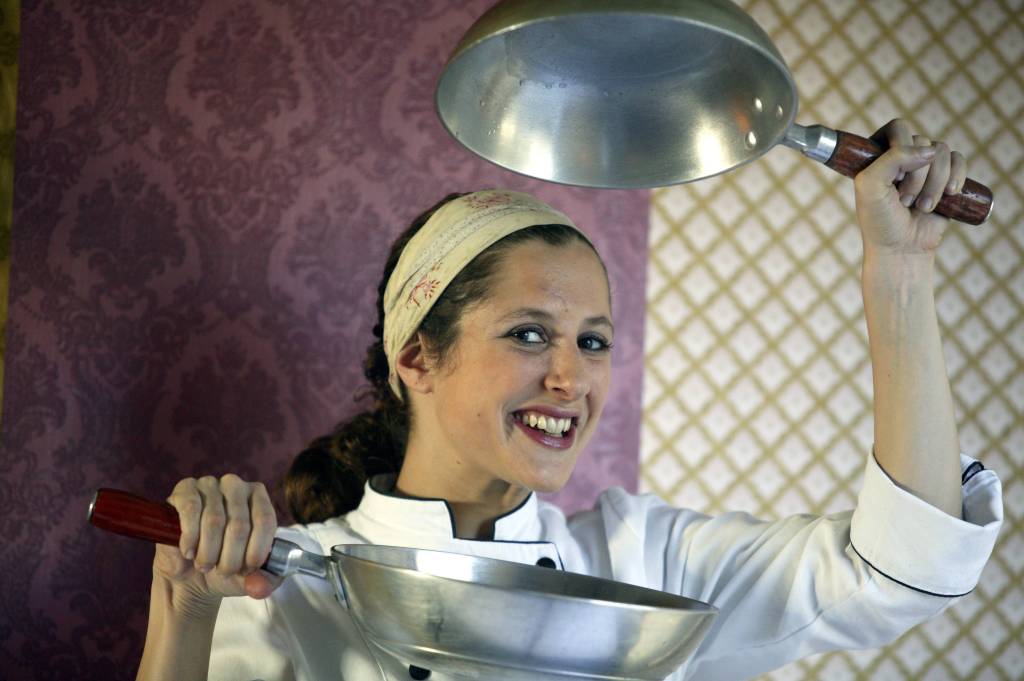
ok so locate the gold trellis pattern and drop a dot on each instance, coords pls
(757, 387)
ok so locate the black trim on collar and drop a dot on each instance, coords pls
(971, 471)
(451, 513)
(389, 493)
(930, 593)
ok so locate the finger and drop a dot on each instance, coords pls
(938, 178)
(261, 584)
(894, 133)
(957, 173)
(913, 182)
(884, 169)
(264, 524)
(238, 526)
(211, 525)
(186, 500)
(169, 561)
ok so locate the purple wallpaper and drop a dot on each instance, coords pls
(204, 194)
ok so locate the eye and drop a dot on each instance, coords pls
(528, 335)
(594, 343)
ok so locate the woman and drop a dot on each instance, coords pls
(490, 377)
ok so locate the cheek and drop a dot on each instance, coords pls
(600, 386)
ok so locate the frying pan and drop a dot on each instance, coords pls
(469, 616)
(637, 93)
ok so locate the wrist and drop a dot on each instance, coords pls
(893, 272)
(183, 602)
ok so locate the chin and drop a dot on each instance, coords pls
(548, 484)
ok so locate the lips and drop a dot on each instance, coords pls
(562, 423)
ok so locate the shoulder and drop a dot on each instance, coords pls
(320, 537)
(639, 511)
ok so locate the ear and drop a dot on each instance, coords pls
(414, 367)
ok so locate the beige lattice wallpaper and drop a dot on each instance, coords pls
(757, 387)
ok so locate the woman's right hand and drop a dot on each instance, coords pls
(227, 527)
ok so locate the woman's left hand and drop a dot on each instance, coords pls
(897, 193)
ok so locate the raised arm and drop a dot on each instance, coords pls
(915, 430)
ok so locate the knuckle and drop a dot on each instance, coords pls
(184, 484)
(230, 479)
(189, 506)
(213, 519)
(264, 516)
(238, 529)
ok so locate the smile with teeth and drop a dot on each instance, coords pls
(549, 424)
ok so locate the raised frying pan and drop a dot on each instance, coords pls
(637, 93)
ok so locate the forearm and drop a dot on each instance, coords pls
(915, 428)
(178, 641)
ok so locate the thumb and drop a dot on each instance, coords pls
(260, 584)
(897, 162)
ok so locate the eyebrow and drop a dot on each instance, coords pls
(599, 320)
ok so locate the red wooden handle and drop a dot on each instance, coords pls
(854, 153)
(125, 513)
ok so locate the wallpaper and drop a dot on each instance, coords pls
(205, 191)
(757, 389)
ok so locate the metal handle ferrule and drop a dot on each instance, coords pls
(813, 141)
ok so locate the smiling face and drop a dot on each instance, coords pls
(537, 346)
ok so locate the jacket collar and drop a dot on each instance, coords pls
(434, 517)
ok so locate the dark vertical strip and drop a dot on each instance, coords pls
(9, 14)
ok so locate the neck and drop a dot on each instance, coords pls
(475, 504)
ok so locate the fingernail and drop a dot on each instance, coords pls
(925, 204)
(906, 200)
(205, 568)
(926, 151)
(951, 188)
(900, 176)
(190, 554)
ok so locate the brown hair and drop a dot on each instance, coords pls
(327, 478)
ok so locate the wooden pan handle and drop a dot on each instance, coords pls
(131, 515)
(124, 513)
(854, 153)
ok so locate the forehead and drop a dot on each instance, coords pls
(539, 274)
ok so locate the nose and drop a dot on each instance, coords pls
(566, 375)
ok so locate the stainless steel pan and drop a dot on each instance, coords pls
(469, 616)
(636, 93)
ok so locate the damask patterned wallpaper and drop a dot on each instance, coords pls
(757, 391)
(204, 194)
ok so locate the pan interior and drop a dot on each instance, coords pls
(513, 576)
(618, 99)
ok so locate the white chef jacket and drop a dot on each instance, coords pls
(785, 589)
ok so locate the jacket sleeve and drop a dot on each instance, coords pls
(251, 640)
(808, 584)
(248, 644)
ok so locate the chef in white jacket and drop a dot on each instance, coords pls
(489, 377)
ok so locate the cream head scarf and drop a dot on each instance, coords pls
(458, 232)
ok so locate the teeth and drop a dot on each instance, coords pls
(548, 424)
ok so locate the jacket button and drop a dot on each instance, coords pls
(418, 673)
(546, 562)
